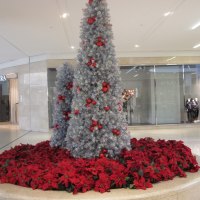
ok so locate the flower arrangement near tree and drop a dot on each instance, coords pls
(42, 167)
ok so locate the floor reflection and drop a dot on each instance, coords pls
(11, 136)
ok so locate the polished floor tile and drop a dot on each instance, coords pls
(11, 136)
(189, 134)
(9, 133)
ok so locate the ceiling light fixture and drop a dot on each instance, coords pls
(196, 26)
(168, 13)
(72, 47)
(64, 15)
(171, 58)
(136, 45)
(196, 46)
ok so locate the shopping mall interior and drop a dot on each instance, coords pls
(157, 46)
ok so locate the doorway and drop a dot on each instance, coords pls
(4, 101)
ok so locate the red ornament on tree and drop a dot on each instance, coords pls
(116, 132)
(100, 42)
(76, 112)
(69, 86)
(78, 89)
(56, 126)
(91, 63)
(65, 113)
(105, 87)
(94, 102)
(91, 20)
(88, 100)
(90, 1)
(101, 155)
(91, 129)
(61, 98)
(106, 108)
(67, 117)
(104, 151)
(87, 105)
(94, 123)
(100, 126)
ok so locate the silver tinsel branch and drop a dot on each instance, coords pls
(99, 125)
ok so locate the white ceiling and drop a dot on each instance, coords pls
(33, 28)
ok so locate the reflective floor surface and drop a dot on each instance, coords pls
(11, 135)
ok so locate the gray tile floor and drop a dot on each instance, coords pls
(11, 135)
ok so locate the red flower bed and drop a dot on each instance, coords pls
(42, 167)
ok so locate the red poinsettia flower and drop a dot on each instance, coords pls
(43, 167)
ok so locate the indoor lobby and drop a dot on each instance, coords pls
(157, 50)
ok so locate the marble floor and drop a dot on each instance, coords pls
(11, 135)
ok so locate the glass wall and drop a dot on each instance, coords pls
(155, 94)
(160, 93)
(140, 107)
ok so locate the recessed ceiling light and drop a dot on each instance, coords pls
(168, 13)
(196, 46)
(196, 26)
(136, 45)
(171, 58)
(64, 15)
(72, 47)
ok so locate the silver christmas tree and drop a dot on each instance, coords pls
(98, 125)
(62, 105)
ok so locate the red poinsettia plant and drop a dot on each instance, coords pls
(43, 167)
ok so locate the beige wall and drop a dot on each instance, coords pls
(139, 61)
(160, 60)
